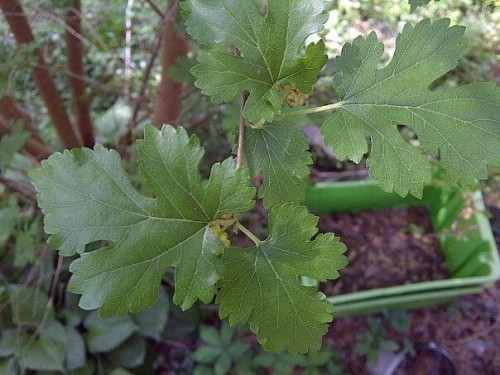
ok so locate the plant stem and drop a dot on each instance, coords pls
(241, 133)
(249, 234)
(309, 111)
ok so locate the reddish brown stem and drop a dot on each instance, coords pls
(74, 49)
(35, 148)
(169, 92)
(18, 23)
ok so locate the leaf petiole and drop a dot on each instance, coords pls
(248, 234)
(309, 111)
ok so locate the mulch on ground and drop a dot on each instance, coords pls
(401, 243)
(398, 241)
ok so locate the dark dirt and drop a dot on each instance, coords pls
(468, 328)
(399, 241)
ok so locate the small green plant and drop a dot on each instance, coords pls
(398, 319)
(226, 352)
(221, 352)
(257, 54)
(370, 342)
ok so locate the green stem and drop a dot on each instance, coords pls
(249, 234)
(309, 111)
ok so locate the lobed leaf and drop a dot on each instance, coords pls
(281, 153)
(86, 197)
(261, 285)
(461, 125)
(270, 49)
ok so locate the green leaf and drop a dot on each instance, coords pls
(270, 49)
(8, 216)
(8, 342)
(238, 350)
(460, 125)
(203, 370)
(226, 334)
(264, 359)
(210, 336)
(416, 3)
(28, 304)
(120, 371)
(76, 356)
(113, 124)
(280, 152)
(261, 285)
(390, 346)
(10, 144)
(48, 351)
(148, 235)
(152, 321)
(399, 319)
(207, 354)
(25, 249)
(222, 365)
(8, 367)
(88, 370)
(131, 354)
(106, 334)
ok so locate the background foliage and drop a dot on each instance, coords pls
(39, 318)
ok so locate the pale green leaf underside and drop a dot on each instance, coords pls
(280, 152)
(261, 285)
(461, 125)
(86, 197)
(270, 50)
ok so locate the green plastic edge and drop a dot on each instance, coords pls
(473, 268)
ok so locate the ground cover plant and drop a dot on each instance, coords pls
(166, 236)
(258, 55)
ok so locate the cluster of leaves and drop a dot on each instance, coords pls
(17, 62)
(177, 229)
(42, 328)
(370, 343)
(185, 226)
(37, 337)
(226, 353)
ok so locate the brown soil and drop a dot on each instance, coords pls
(398, 241)
(469, 328)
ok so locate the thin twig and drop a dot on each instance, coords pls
(156, 9)
(24, 190)
(128, 47)
(241, 133)
(50, 303)
(144, 85)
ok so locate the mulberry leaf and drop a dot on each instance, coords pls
(86, 197)
(280, 152)
(261, 285)
(270, 48)
(460, 125)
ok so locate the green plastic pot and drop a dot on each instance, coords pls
(472, 258)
